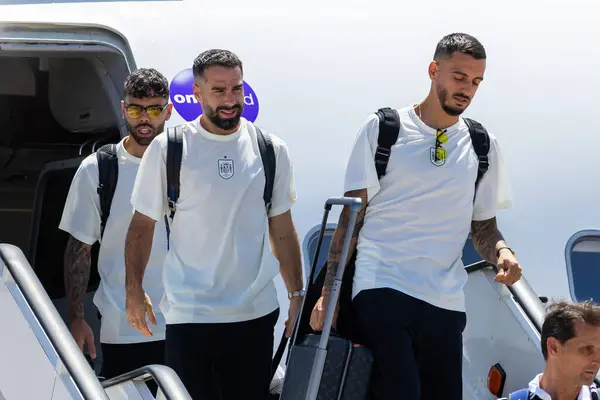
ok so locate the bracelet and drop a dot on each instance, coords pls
(502, 248)
(297, 293)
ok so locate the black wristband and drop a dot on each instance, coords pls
(502, 248)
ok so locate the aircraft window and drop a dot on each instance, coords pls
(583, 265)
(310, 247)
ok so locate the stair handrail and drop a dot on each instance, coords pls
(52, 323)
(167, 380)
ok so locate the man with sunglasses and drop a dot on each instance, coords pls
(145, 109)
(408, 304)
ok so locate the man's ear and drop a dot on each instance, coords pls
(433, 69)
(553, 346)
(197, 92)
(169, 111)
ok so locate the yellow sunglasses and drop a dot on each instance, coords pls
(136, 111)
(440, 138)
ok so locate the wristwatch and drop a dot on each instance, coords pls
(505, 247)
(297, 293)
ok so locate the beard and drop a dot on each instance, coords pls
(225, 124)
(442, 94)
(144, 140)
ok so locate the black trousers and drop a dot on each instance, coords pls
(225, 361)
(417, 347)
(121, 358)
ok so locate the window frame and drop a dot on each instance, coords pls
(571, 243)
(313, 234)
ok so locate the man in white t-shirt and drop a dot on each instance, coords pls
(145, 109)
(220, 300)
(408, 302)
(570, 344)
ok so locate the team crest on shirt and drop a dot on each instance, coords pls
(441, 156)
(225, 167)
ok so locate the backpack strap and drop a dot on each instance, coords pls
(267, 153)
(108, 174)
(389, 128)
(481, 144)
(174, 155)
(522, 394)
(594, 392)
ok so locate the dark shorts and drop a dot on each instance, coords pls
(226, 361)
(417, 347)
(118, 359)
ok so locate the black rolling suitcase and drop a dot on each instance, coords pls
(327, 366)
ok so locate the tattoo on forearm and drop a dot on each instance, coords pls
(138, 245)
(337, 241)
(78, 259)
(285, 245)
(486, 238)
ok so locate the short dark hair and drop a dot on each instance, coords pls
(213, 58)
(146, 82)
(459, 42)
(560, 320)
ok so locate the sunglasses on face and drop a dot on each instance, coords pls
(440, 138)
(135, 111)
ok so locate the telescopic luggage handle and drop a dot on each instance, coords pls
(355, 204)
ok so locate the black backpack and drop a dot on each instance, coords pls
(108, 172)
(389, 129)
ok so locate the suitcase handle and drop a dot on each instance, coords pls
(355, 204)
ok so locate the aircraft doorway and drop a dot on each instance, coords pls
(60, 92)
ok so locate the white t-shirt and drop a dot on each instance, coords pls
(219, 267)
(81, 218)
(534, 387)
(419, 214)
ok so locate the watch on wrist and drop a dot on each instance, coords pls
(505, 247)
(297, 293)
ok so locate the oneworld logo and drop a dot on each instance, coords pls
(184, 102)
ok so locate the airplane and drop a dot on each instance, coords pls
(313, 72)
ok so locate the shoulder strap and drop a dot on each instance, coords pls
(267, 153)
(481, 144)
(174, 155)
(522, 394)
(389, 128)
(594, 392)
(108, 174)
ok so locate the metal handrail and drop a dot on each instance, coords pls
(64, 344)
(52, 323)
(168, 381)
(525, 296)
(522, 292)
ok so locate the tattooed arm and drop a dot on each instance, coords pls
(138, 245)
(487, 240)
(78, 260)
(317, 318)
(337, 241)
